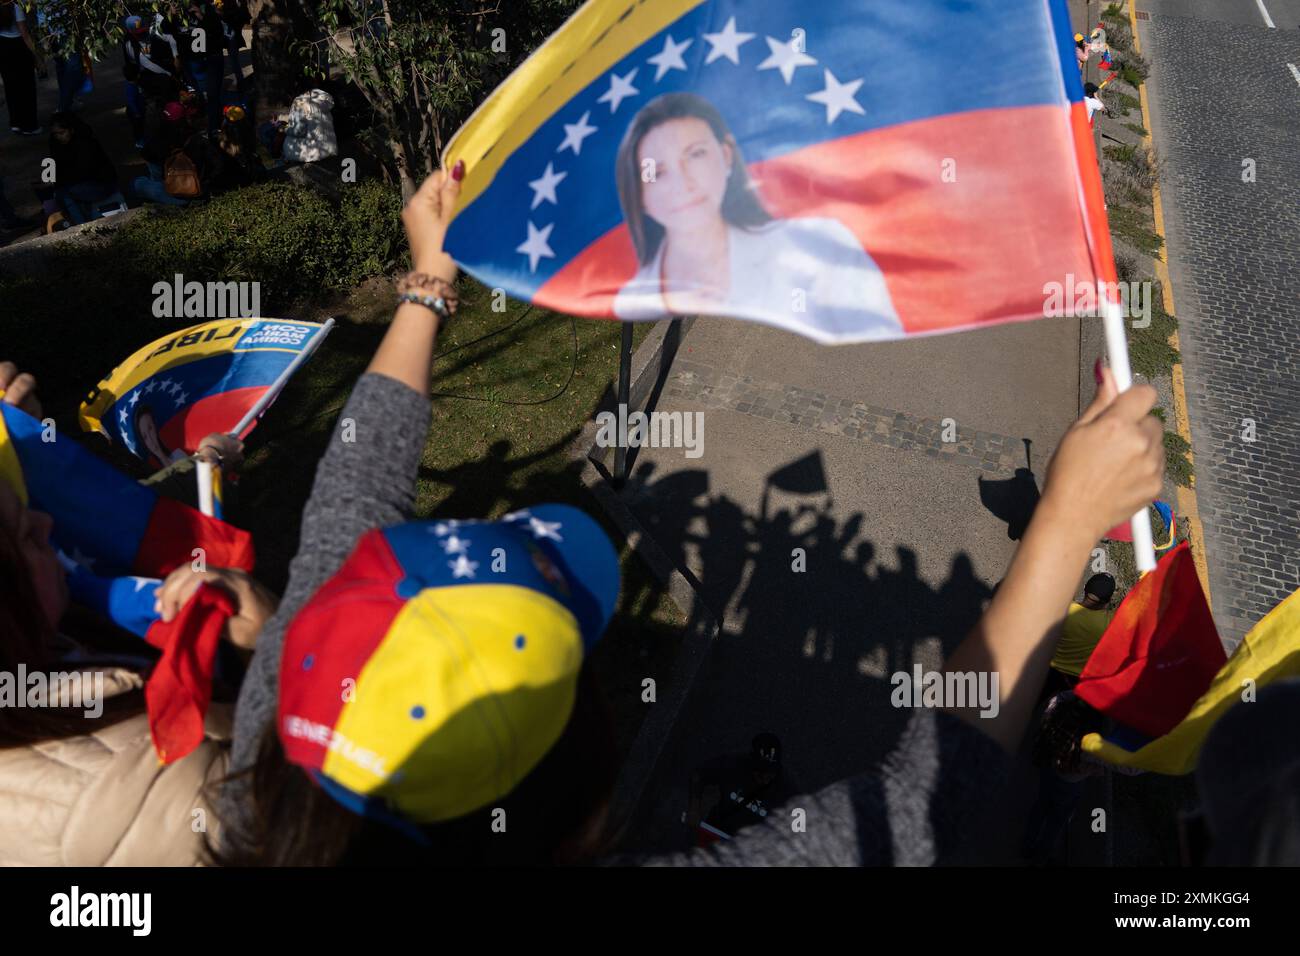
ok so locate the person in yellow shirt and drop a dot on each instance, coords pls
(1085, 623)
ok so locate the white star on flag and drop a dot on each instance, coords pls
(148, 387)
(544, 529)
(670, 57)
(727, 43)
(181, 399)
(575, 133)
(135, 397)
(536, 246)
(85, 560)
(442, 527)
(837, 97)
(785, 58)
(456, 545)
(462, 567)
(142, 583)
(620, 88)
(544, 188)
(122, 416)
(174, 388)
(518, 515)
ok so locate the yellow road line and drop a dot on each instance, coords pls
(1188, 511)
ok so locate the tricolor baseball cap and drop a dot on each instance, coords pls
(438, 666)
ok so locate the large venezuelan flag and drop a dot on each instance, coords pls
(913, 166)
(170, 394)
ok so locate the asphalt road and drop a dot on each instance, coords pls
(1225, 101)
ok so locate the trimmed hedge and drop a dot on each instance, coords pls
(297, 243)
(84, 306)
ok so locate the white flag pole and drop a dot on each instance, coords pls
(1117, 351)
(278, 385)
(203, 472)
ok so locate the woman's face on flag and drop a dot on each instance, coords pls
(30, 531)
(684, 172)
(148, 432)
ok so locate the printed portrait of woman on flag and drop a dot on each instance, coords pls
(705, 244)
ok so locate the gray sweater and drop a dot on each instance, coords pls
(365, 479)
(912, 809)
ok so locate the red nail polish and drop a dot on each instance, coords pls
(1096, 372)
(458, 171)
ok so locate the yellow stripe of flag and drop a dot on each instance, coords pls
(590, 42)
(1271, 651)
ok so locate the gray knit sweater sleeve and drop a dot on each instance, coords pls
(365, 479)
(914, 809)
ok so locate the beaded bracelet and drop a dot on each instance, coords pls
(437, 305)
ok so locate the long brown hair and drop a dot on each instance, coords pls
(555, 815)
(27, 641)
(740, 204)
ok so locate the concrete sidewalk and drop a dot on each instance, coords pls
(837, 451)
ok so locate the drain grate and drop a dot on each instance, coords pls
(1143, 15)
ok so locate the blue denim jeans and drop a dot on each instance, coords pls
(68, 71)
(77, 199)
(151, 188)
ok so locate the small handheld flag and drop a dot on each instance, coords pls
(215, 377)
(765, 161)
(1160, 652)
(1269, 653)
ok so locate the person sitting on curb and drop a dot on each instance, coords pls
(84, 173)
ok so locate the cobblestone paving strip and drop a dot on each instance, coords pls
(706, 387)
(1238, 244)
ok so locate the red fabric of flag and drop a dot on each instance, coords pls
(179, 690)
(1160, 652)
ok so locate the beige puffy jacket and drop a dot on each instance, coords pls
(103, 799)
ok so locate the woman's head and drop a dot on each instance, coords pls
(679, 169)
(33, 584)
(63, 127)
(464, 692)
(556, 814)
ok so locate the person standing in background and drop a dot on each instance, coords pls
(235, 18)
(20, 61)
(65, 49)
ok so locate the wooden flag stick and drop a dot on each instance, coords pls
(1144, 551)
